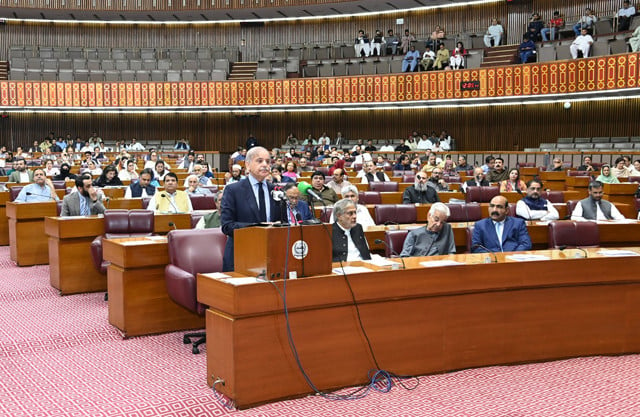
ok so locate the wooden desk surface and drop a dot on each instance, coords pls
(27, 239)
(419, 321)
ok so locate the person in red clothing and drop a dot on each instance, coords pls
(556, 22)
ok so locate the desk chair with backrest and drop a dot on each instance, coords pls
(569, 234)
(192, 252)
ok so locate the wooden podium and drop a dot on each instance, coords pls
(27, 239)
(621, 193)
(265, 250)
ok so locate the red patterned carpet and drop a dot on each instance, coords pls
(60, 357)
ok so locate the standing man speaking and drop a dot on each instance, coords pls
(248, 201)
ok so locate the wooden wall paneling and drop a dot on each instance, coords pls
(506, 128)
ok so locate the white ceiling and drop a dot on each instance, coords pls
(332, 9)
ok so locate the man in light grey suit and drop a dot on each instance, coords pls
(21, 173)
(84, 201)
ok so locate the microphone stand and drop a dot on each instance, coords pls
(495, 257)
(393, 252)
(164, 195)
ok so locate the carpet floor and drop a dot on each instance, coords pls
(59, 356)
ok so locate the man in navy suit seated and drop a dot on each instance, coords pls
(499, 232)
(248, 201)
(296, 210)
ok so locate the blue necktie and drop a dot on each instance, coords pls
(499, 233)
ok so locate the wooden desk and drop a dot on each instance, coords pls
(620, 193)
(553, 180)
(71, 268)
(4, 220)
(138, 299)
(27, 239)
(419, 321)
(611, 234)
(578, 184)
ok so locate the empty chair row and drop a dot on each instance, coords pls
(125, 75)
(119, 64)
(600, 139)
(48, 52)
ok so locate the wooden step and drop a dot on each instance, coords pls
(243, 71)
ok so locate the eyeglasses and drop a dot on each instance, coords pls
(419, 177)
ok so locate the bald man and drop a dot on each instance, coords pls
(500, 232)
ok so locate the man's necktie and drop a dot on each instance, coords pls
(262, 208)
(84, 207)
(499, 233)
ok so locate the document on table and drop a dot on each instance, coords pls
(378, 260)
(351, 270)
(527, 257)
(617, 252)
(442, 262)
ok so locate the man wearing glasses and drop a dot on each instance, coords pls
(499, 232)
(420, 192)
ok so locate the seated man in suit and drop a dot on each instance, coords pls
(294, 210)
(21, 173)
(211, 220)
(534, 207)
(349, 242)
(594, 207)
(436, 238)
(41, 190)
(248, 201)
(478, 180)
(499, 232)
(142, 187)
(171, 200)
(420, 192)
(84, 201)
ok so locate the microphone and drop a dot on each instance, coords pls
(108, 200)
(39, 195)
(393, 252)
(305, 187)
(586, 254)
(277, 194)
(495, 258)
(172, 224)
(163, 195)
(388, 223)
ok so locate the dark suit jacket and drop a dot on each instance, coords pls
(302, 208)
(515, 236)
(339, 241)
(239, 209)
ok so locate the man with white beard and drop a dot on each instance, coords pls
(420, 192)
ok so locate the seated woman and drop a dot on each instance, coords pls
(619, 169)
(50, 170)
(108, 178)
(606, 177)
(459, 53)
(514, 183)
(291, 171)
(94, 167)
(130, 173)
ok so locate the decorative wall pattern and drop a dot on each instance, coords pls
(560, 77)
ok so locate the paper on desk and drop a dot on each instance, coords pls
(243, 280)
(380, 261)
(157, 238)
(217, 275)
(442, 262)
(623, 221)
(617, 252)
(351, 270)
(525, 258)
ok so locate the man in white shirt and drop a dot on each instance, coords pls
(533, 207)
(428, 58)
(582, 43)
(594, 207)
(372, 174)
(363, 216)
(494, 33)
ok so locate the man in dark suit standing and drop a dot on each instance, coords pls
(499, 232)
(248, 201)
(349, 243)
